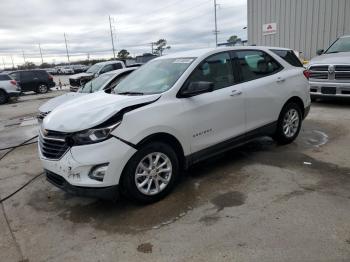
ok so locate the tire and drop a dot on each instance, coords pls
(42, 89)
(138, 171)
(3, 97)
(289, 124)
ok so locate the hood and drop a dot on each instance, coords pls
(332, 59)
(81, 75)
(89, 111)
(55, 102)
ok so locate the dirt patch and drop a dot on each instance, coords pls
(145, 248)
(229, 199)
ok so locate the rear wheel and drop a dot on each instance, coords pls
(151, 173)
(289, 124)
(3, 97)
(42, 89)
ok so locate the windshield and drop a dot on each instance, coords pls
(155, 77)
(94, 69)
(96, 84)
(341, 45)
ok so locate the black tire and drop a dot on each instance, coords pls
(3, 97)
(129, 187)
(280, 136)
(42, 89)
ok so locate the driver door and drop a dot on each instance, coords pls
(217, 117)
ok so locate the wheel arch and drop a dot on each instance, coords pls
(298, 101)
(167, 139)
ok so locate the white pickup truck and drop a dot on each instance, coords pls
(77, 80)
(330, 71)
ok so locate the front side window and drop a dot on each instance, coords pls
(216, 69)
(96, 84)
(27, 76)
(94, 69)
(106, 69)
(155, 77)
(341, 45)
(254, 64)
(15, 75)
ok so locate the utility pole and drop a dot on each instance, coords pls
(41, 54)
(216, 24)
(13, 64)
(24, 58)
(110, 27)
(3, 62)
(65, 40)
(152, 45)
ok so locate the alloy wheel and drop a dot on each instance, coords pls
(153, 173)
(291, 123)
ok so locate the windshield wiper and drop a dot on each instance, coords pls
(333, 52)
(131, 93)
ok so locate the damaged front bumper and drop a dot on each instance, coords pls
(72, 171)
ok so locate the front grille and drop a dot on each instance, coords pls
(54, 178)
(74, 82)
(53, 144)
(342, 72)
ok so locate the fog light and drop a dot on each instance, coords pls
(98, 172)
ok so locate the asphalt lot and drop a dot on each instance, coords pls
(260, 202)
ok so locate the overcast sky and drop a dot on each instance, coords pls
(185, 24)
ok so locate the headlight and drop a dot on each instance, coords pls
(91, 136)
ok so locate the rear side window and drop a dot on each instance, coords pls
(15, 76)
(254, 64)
(117, 66)
(4, 77)
(41, 74)
(288, 56)
(27, 76)
(216, 69)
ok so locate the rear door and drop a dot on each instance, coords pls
(261, 80)
(29, 80)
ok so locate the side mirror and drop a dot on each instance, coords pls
(197, 88)
(319, 51)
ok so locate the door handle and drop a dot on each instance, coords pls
(236, 93)
(280, 80)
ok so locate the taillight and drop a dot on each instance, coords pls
(50, 77)
(13, 82)
(307, 74)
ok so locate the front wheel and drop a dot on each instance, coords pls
(151, 173)
(289, 124)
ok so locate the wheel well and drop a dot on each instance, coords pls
(298, 101)
(167, 139)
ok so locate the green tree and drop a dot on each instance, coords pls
(27, 65)
(161, 45)
(234, 40)
(123, 54)
(45, 65)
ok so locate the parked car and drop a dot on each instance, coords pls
(79, 68)
(8, 88)
(105, 82)
(174, 111)
(330, 71)
(77, 80)
(36, 80)
(52, 71)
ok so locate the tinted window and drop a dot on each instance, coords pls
(216, 69)
(26, 76)
(15, 76)
(117, 66)
(4, 77)
(254, 64)
(106, 68)
(288, 56)
(41, 74)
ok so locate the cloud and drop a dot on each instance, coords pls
(136, 23)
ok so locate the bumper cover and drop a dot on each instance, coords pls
(107, 193)
(14, 94)
(329, 89)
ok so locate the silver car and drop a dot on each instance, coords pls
(8, 88)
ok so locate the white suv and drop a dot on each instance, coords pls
(173, 112)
